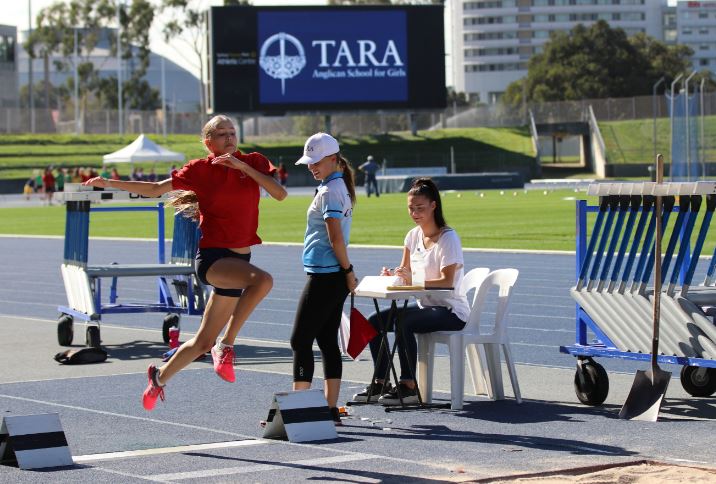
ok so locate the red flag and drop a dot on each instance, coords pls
(361, 332)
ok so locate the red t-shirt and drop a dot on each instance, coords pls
(48, 179)
(228, 199)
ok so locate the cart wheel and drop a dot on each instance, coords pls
(64, 330)
(169, 321)
(92, 337)
(698, 382)
(591, 383)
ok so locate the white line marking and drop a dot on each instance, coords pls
(166, 450)
(228, 471)
(132, 417)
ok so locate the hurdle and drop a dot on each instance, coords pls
(614, 289)
(83, 282)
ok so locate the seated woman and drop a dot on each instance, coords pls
(443, 261)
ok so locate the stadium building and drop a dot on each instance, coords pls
(182, 87)
(8, 67)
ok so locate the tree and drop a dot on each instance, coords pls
(596, 62)
(188, 25)
(90, 20)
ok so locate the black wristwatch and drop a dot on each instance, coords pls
(347, 271)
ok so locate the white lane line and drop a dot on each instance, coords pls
(229, 471)
(350, 455)
(123, 415)
(81, 459)
(545, 330)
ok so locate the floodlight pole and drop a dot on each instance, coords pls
(164, 103)
(688, 134)
(653, 105)
(29, 71)
(671, 123)
(120, 114)
(76, 90)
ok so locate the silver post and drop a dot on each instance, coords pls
(671, 121)
(653, 105)
(703, 139)
(688, 128)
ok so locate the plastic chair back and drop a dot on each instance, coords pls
(471, 282)
(503, 280)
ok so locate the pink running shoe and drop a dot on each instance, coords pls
(153, 391)
(224, 363)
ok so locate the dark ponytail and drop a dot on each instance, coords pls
(427, 188)
(348, 178)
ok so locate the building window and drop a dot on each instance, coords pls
(7, 49)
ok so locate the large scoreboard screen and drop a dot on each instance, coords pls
(278, 59)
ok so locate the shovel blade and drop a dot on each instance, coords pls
(646, 395)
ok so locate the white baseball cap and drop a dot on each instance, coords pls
(318, 147)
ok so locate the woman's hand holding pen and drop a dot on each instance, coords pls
(399, 271)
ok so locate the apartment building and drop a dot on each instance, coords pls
(492, 40)
(696, 27)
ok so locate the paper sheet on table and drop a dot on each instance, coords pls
(383, 283)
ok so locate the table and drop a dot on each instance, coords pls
(376, 289)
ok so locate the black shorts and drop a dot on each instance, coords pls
(205, 257)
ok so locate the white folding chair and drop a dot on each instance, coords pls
(426, 350)
(479, 347)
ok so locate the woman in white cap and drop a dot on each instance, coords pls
(329, 270)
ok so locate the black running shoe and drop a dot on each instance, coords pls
(378, 390)
(410, 396)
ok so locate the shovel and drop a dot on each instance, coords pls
(649, 387)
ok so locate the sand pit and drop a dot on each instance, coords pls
(634, 473)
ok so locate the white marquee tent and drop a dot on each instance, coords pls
(142, 149)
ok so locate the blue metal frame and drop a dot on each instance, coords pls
(603, 346)
(76, 252)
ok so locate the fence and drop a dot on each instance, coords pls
(16, 120)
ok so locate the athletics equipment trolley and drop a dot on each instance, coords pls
(83, 282)
(614, 291)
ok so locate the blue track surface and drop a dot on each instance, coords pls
(102, 413)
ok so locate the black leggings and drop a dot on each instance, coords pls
(318, 317)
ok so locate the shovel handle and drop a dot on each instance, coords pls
(657, 264)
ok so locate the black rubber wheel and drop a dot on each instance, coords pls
(92, 337)
(591, 383)
(169, 321)
(64, 330)
(698, 382)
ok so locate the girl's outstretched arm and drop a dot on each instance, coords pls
(146, 189)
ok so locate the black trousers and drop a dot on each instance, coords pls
(318, 318)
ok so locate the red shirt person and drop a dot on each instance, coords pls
(221, 191)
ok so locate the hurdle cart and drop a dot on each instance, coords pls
(613, 290)
(83, 282)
